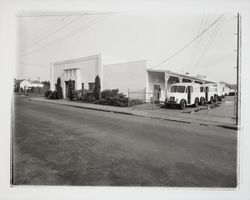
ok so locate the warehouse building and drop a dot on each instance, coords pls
(117, 74)
(114, 73)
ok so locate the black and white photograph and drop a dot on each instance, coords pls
(126, 99)
(111, 98)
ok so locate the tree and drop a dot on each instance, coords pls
(59, 89)
(97, 89)
(46, 85)
(70, 90)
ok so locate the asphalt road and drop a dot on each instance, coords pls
(61, 145)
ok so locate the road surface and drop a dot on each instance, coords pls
(62, 145)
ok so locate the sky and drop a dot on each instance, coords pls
(43, 39)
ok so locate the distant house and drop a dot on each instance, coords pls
(17, 84)
(24, 85)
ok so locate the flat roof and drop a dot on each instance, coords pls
(179, 74)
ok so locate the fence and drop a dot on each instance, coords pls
(141, 99)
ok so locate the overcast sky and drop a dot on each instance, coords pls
(155, 38)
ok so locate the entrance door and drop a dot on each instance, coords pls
(67, 88)
(189, 91)
(157, 90)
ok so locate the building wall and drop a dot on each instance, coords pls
(82, 70)
(124, 76)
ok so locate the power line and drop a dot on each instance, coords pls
(70, 34)
(210, 41)
(49, 27)
(50, 14)
(199, 41)
(56, 31)
(195, 44)
(180, 50)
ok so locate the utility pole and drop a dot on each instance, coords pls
(238, 68)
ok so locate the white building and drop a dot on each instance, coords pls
(117, 74)
(26, 84)
(114, 73)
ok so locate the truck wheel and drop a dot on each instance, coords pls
(183, 104)
(202, 101)
(196, 102)
(211, 100)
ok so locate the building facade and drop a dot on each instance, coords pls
(114, 73)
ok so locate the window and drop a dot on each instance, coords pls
(202, 89)
(189, 88)
(91, 86)
(178, 89)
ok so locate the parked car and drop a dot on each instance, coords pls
(185, 94)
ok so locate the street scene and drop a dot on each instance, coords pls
(64, 145)
(162, 110)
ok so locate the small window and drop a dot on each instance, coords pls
(91, 86)
(202, 89)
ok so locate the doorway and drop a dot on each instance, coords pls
(67, 88)
(157, 92)
(189, 91)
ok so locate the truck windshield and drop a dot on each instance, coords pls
(178, 89)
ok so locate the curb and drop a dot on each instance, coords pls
(232, 127)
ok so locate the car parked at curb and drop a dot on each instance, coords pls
(185, 94)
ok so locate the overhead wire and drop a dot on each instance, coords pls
(50, 14)
(56, 31)
(196, 53)
(51, 26)
(195, 43)
(194, 39)
(209, 42)
(69, 34)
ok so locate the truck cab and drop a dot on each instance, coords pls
(185, 94)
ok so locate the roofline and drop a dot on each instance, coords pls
(134, 61)
(179, 74)
(76, 59)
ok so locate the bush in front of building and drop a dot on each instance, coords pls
(59, 89)
(134, 102)
(47, 93)
(53, 95)
(113, 98)
(97, 89)
(88, 97)
(77, 94)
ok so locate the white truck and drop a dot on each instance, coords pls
(220, 91)
(211, 92)
(185, 94)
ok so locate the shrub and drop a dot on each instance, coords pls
(133, 102)
(97, 89)
(59, 89)
(112, 97)
(47, 93)
(88, 97)
(53, 95)
(110, 93)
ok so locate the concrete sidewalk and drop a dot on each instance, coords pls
(203, 117)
